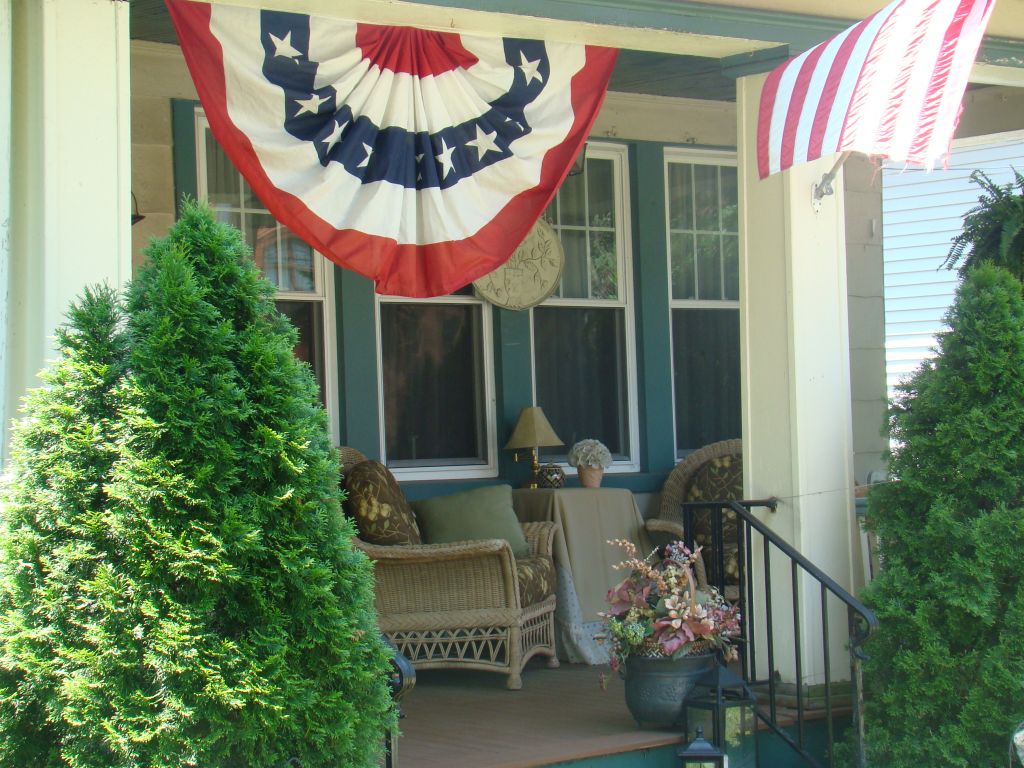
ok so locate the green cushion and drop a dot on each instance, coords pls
(482, 513)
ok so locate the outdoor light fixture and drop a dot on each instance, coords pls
(533, 431)
(700, 753)
(730, 703)
(579, 163)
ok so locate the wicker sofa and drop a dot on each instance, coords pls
(468, 604)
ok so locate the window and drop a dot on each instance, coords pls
(583, 340)
(437, 387)
(303, 278)
(703, 239)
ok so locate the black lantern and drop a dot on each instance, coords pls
(701, 753)
(729, 704)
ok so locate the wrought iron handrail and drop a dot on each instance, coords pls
(861, 621)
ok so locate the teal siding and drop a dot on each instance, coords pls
(654, 331)
(357, 366)
(183, 131)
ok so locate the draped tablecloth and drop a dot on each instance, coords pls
(589, 518)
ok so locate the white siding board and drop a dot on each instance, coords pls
(922, 212)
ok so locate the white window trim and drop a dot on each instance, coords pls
(619, 154)
(489, 469)
(693, 157)
(323, 279)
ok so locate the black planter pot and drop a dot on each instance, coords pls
(656, 688)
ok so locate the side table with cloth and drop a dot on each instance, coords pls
(589, 518)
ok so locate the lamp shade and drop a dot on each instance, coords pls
(533, 430)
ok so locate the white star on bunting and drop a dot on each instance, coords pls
(445, 159)
(369, 153)
(484, 143)
(311, 105)
(331, 140)
(283, 46)
(530, 69)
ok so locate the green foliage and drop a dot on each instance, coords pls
(177, 584)
(945, 680)
(993, 231)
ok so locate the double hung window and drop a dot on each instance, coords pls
(302, 276)
(437, 387)
(583, 339)
(703, 237)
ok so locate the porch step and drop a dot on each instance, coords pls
(772, 751)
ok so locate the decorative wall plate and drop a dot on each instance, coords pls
(530, 276)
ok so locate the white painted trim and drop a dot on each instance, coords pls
(323, 279)
(989, 138)
(5, 216)
(619, 154)
(488, 469)
(993, 74)
(693, 157)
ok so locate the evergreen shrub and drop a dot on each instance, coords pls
(945, 678)
(177, 583)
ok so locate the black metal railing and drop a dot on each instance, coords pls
(735, 542)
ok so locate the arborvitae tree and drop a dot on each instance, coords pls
(945, 679)
(178, 584)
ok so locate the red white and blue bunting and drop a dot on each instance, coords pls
(417, 159)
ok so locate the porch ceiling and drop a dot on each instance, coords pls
(669, 47)
(641, 72)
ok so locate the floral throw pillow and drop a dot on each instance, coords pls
(378, 506)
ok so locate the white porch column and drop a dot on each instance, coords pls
(5, 206)
(70, 189)
(797, 426)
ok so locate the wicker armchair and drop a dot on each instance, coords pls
(459, 605)
(714, 472)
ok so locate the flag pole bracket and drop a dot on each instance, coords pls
(824, 187)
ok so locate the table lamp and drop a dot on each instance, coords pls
(533, 430)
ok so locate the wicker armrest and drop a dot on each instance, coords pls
(540, 537)
(462, 576)
(418, 553)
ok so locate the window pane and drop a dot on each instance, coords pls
(297, 264)
(601, 193)
(684, 272)
(709, 267)
(730, 200)
(229, 217)
(307, 317)
(604, 266)
(572, 201)
(261, 234)
(581, 374)
(680, 195)
(705, 182)
(433, 384)
(731, 262)
(706, 361)
(574, 271)
(222, 180)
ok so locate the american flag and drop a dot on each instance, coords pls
(890, 86)
(418, 159)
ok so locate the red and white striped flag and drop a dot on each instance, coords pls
(890, 86)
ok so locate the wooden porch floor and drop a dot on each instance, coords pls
(469, 720)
